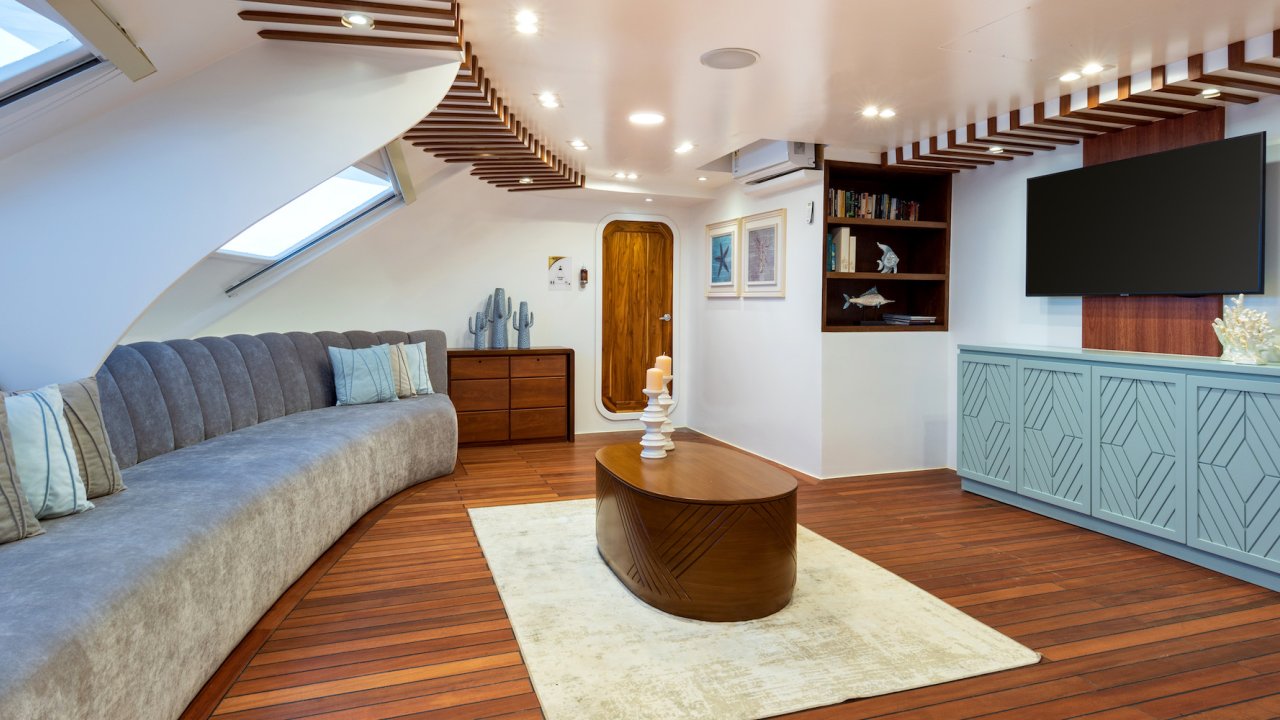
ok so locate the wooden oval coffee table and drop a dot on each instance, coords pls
(706, 533)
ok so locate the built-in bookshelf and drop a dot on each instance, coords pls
(875, 199)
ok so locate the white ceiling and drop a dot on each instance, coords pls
(822, 61)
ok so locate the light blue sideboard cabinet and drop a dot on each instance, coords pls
(1176, 453)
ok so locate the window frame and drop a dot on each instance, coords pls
(352, 220)
(43, 73)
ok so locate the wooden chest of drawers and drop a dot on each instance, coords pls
(508, 396)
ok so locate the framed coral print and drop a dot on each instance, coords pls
(764, 254)
(722, 259)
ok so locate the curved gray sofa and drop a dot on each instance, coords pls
(240, 473)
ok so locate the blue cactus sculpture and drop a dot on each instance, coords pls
(497, 316)
(522, 323)
(477, 328)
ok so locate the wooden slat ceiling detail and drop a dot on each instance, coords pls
(406, 24)
(1244, 72)
(473, 125)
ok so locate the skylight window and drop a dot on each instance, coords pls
(313, 215)
(36, 47)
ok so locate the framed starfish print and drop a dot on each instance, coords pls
(722, 259)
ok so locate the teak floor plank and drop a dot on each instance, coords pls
(401, 618)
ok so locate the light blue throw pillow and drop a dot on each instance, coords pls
(363, 376)
(415, 357)
(44, 453)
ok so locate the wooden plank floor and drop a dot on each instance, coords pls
(401, 619)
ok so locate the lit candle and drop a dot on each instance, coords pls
(664, 364)
(653, 379)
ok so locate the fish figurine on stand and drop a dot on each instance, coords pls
(888, 262)
(869, 299)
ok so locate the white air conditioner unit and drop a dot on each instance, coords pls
(767, 159)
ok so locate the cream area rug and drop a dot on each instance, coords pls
(595, 651)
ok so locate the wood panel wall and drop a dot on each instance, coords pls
(1153, 323)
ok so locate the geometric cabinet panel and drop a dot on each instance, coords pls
(986, 445)
(1140, 472)
(1235, 486)
(1054, 430)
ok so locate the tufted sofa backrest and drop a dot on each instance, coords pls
(159, 397)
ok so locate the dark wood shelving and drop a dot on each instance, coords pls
(923, 246)
(885, 328)
(887, 277)
(903, 224)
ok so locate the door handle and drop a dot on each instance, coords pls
(666, 318)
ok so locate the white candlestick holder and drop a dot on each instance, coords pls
(653, 442)
(666, 401)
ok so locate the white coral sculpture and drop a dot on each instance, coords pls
(1246, 334)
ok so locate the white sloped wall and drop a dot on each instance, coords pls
(100, 219)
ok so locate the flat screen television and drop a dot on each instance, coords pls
(1180, 222)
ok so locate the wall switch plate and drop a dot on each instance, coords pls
(810, 212)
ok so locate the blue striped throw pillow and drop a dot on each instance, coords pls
(363, 376)
(44, 453)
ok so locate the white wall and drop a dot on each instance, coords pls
(433, 263)
(100, 219)
(829, 404)
(757, 363)
(884, 402)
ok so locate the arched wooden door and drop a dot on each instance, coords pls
(636, 286)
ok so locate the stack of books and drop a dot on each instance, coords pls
(842, 250)
(896, 319)
(871, 206)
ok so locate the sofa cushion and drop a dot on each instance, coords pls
(363, 376)
(196, 565)
(17, 521)
(44, 453)
(400, 371)
(414, 358)
(94, 459)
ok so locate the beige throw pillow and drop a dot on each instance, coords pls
(17, 521)
(97, 463)
(400, 371)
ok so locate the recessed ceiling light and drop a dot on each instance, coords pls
(702, 179)
(357, 21)
(632, 176)
(578, 144)
(1071, 76)
(526, 181)
(646, 118)
(1210, 93)
(526, 22)
(870, 111)
(995, 149)
(684, 147)
(1092, 68)
(620, 175)
(648, 199)
(729, 58)
(887, 113)
(549, 100)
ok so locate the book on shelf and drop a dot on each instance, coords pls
(842, 248)
(900, 319)
(870, 206)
